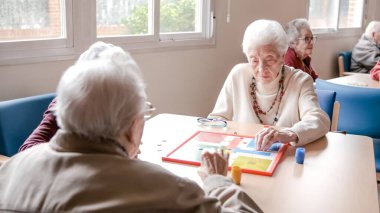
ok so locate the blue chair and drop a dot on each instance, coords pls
(326, 99)
(18, 119)
(344, 63)
(359, 111)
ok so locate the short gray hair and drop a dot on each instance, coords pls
(265, 32)
(100, 99)
(373, 26)
(94, 51)
(294, 27)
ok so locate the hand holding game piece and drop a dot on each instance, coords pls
(267, 136)
(213, 163)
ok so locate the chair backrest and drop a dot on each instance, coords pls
(359, 108)
(344, 62)
(18, 118)
(326, 99)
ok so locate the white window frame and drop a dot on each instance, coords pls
(170, 41)
(14, 52)
(340, 32)
(81, 33)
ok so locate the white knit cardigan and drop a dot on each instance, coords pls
(299, 109)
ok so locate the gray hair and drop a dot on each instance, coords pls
(294, 27)
(101, 98)
(373, 26)
(265, 32)
(94, 51)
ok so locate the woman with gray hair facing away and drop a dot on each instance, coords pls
(301, 43)
(48, 126)
(90, 166)
(265, 91)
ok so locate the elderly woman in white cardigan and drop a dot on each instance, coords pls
(265, 91)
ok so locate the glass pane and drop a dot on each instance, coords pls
(123, 17)
(351, 13)
(180, 16)
(323, 14)
(31, 19)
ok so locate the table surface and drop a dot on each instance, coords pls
(358, 79)
(338, 174)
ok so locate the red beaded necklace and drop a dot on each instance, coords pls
(280, 91)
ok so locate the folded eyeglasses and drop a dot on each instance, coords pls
(212, 122)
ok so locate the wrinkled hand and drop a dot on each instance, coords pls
(266, 137)
(213, 163)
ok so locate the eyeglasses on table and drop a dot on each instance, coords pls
(212, 122)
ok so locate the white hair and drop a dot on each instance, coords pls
(265, 32)
(294, 27)
(99, 99)
(373, 26)
(94, 51)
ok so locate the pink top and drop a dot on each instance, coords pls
(45, 130)
(375, 71)
(292, 60)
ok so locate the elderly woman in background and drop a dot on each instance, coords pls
(366, 53)
(265, 91)
(301, 44)
(89, 165)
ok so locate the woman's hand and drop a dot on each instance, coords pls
(266, 137)
(213, 163)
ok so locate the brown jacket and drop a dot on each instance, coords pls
(72, 174)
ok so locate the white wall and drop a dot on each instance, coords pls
(188, 81)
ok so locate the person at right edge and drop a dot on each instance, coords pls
(366, 52)
(375, 72)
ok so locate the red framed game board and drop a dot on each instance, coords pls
(242, 150)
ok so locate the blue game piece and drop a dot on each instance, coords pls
(300, 155)
(275, 147)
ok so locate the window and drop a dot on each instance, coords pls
(43, 30)
(123, 18)
(156, 23)
(35, 29)
(328, 16)
(31, 20)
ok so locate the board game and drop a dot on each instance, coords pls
(242, 151)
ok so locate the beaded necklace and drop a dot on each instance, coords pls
(280, 91)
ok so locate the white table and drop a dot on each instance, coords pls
(357, 79)
(338, 174)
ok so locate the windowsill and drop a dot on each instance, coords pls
(143, 47)
(167, 46)
(338, 34)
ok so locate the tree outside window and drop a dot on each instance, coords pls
(132, 17)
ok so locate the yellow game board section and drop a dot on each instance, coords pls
(247, 162)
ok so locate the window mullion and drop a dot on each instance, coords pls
(84, 19)
(338, 16)
(156, 20)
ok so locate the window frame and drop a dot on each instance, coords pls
(340, 32)
(169, 41)
(14, 52)
(80, 20)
